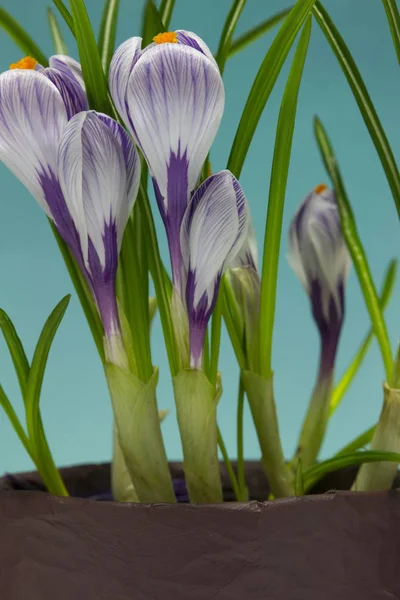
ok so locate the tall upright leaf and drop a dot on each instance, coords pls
(166, 9)
(393, 17)
(108, 32)
(66, 15)
(228, 31)
(56, 34)
(256, 32)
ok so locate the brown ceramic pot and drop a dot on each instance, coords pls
(332, 546)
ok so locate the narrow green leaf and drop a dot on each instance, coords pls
(15, 422)
(299, 480)
(244, 493)
(216, 338)
(66, 15)
(264, 83)
(166, 9)
(348, 376)
(251, 36)
(21, 37)
(84, 294)
(57, 36)
(231, 321)
(92, 70)
(316, 472)
(393, 17)
(356, 249)
(363, 100)
(227, 32)
(360, 441)
(152, 23)
(37, 437)
(108, 32)
(228, 465)
(276, 201)
(17, 351)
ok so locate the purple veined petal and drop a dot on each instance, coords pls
(72, 93)
(121, 67)
(93, 179)
(67, 66)
(248, 253)
(188, 38)
(133, 169)
(32, 120)
(175, 101)
(214, 226)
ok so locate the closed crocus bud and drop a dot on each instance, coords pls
(319, 257)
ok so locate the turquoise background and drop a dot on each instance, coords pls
(75, 403)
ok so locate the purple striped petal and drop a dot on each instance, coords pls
(188, 38)
(121, 67)
(32, 120)
(248, 253)
(67, 66)
(213, 230)
(72, 93)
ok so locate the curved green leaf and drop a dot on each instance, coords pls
(15, 422)
(108, 32)
(227, 33)
(21, 37)
(343, 384)
(356, 249)
(276, 200)
(92, 70)
(315, 473)
(17, 351)
(359, 442)
(66, 15)
(264, 83)
(393, 17)
(36, 434)
(166, 9)
(57, 36)
(152, 23)
(363, 100)
(251, 36)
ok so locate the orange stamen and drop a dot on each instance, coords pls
(320, 188)
(25, 63)
(169, 37)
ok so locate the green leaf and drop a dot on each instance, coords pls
(37, 437)
(108, 32)
(15, 422)
(84, 294)
(92, 70)
(393, 17)
(21, 37)
(251, 36)
(299, 480)
(356, 249)
(166, 9)
(228, 465)
(359, 442)
(216, 338)
(227, 32)
(17, 351)
(264, 83)
(315, 473)
(58, 40)
(66, 15)
(363, 100)
(152, 23)
(276, 201)
(348, 376)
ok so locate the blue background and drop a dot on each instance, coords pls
(75, 403)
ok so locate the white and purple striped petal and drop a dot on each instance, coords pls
(67, 66)
(121, 67)
(213, 230)
(247, 256)
(188, 38)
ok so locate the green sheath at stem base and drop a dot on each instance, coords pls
(196, 405)
(260, 395)
(121, 482)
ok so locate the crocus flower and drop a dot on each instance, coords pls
(83, 171)
(319, 257)
(171, 97)
(213, 230)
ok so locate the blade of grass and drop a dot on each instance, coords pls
(363, 100)
(66, 15)
(251, 36)
(92, 70)
(108, 32)
(227, 33)
(166, 9)
(15, 422)
(359, 442)
(152, 23)
(16, 349)
(348, 376)
(228, 465)
(393, 17)
(57, 36)
(356, 249)
(243, 491)
(84, 294)
(265, 81)
(276, 201)
(36, 434)
(316, 472)
(216, 338)
(21, 37)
